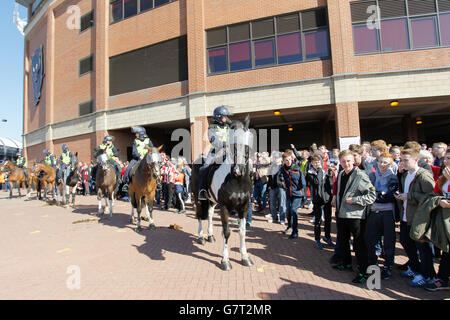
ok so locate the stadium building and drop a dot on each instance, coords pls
(329, 70)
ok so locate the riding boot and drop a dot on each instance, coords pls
(203, 193)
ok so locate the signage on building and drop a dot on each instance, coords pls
(37, 73)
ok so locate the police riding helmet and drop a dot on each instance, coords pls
(64, 147)
(47, 152)
(137, 129)
(107, 138)
(19, 154)
(142, 134)
(219, 112)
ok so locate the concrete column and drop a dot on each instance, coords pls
(26, 75)
(49, 52)
(347, 120)
(409, 129)
(100, 47)
(199, 141)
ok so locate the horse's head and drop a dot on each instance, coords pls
(74, 161)
(240, 144)
(6, 165)
(102, 159)
(154, 159)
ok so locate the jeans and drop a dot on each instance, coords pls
(292, 204)
(424, 266)
(158, 196)
(259, 193)
(444, 267)
(282, 203)
(168, 195)
(317, 210)
(379, 224)
(356, 228)
(250, 212)
(274, 203)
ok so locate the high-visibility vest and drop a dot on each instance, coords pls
(48, 160)
(66, 158)
(21, 162)
(108, 150)
(141, 146)
(220, 133)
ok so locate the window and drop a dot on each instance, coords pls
(87, 21)
(151, 66)
(424, 33)
(404, 25)
(394, 35)
(86, 65)
(85, 108)
(122, 9)
(284, 39)
(130, 8)
(240, 56)
(289, 48)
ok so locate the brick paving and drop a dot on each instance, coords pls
(39, 242)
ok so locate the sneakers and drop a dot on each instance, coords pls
(386, 273)
(319, 245)
(287, 231)
(436, 285)
(293, 236)
(313, 220)
(248, 224)
(418, 281)
(342, 267)
(328, 241)
(283, 223)
(360, 278)
(409, 273)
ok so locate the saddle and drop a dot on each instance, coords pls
(133, 170)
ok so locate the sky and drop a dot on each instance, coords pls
(11, 66)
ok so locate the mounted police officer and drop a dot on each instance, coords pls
(64, 160)
(218, 137)
(50, 159)
(139, 148)
(22, 163)
(113, 156)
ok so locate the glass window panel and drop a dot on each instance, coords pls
(444, 21)
(444, 5)
(263, 28)
(288, 23)
(161, 2)
(316, 44)
(130, 8)
(217, 60)
(394, 35)
(289, 48)
(392, 8)
(240, 57)
(146, 4)
(264, 52)
(314, 19)
(116, 11)
(239, 32)
(216, 37)
(365, 40)
(424, 33)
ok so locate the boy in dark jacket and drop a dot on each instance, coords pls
(293, 177)
(320, 185)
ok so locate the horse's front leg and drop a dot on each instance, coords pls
(140, 204)
(19, 185)
(111, 203)
(201, 239)
(224, 215)
(246, 261)
(74, 193)
(99, 198)
(211, 237)
(149, 211)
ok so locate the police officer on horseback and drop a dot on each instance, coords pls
(139, 148)
(218, 137)
(22, 163)
(113, 156)
(64, 160)
(50, 159)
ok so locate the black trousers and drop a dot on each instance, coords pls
(356, 228)
(168, 195)
(381, 223)
(444, 267)
(317, 211)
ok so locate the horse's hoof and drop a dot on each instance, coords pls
(211, 239)
(131, 220)
(152, 227)
(225, 266)
(144, 218)
(247, 262)
(201, 240)
(138, 229)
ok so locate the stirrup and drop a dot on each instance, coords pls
(202, 195)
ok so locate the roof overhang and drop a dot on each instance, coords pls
(25, 3)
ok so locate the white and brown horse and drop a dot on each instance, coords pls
(105, 183)
(63, 187)
(17, 176)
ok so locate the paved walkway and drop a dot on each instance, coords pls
(40, 244)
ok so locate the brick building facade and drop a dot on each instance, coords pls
(309, 59)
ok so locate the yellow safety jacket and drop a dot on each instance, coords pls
(66, 158)
(21, 162)
(108, 150)
(48, 160)
(141, 146)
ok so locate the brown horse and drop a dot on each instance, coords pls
(45, 177)
(142, 186)
(105, 182)
(16, 175)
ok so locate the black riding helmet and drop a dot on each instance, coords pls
(108, 138)
(219, 112)
(47, 152)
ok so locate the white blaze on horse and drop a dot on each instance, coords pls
(63, 188)
(229, 185)
(105, 183)
(142, 185)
